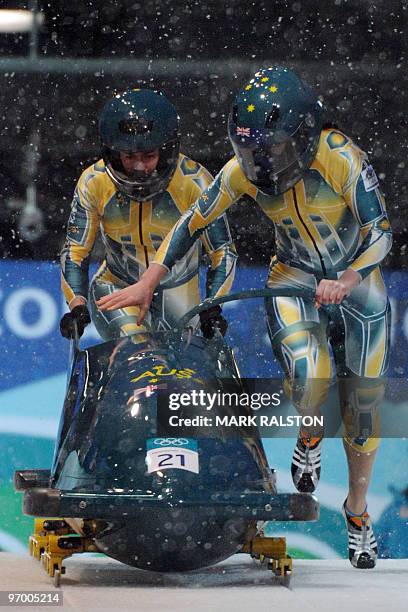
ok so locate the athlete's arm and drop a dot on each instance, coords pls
(351, 175)
(216, 240)
(82, 228)
(222, 254)
(362, 194)
(212, 203)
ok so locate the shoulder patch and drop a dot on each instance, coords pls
(336, 140)
(189, 166)
(369, 177)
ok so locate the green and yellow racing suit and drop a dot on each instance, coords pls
(331, 220)
(132, 232)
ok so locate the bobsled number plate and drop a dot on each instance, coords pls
(172, 453)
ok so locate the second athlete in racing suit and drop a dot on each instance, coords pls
(332, 233)
(133, 213)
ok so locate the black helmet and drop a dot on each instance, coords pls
(140, 120)
(274, 127)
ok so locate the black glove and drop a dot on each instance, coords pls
(210, 320)
(79, 315)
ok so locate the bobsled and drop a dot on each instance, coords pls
(120, 486)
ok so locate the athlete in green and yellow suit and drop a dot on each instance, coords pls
(332, 232)
(134, 196)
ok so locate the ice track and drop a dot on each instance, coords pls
(96, 583)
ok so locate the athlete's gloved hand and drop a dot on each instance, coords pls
(79, 315)
(212, 319)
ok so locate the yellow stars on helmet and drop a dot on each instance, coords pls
(273, 88)
(204, 197)
(264, 79)
(248, 87)
(250, 108)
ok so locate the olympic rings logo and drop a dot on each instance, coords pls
(170, 441)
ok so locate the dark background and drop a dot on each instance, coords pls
(353, 52)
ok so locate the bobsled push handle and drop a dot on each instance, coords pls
(75, 339)
(243, 295)
(74, 348)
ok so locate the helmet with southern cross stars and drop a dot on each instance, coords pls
(274, 127)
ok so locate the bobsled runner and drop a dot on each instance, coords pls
(155, 502)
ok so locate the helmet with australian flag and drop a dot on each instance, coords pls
(274, 127)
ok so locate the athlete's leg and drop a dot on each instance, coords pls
(362, 545)
(360, 399)
(361, 350)
(298, 335)
(361, 353)
(360, 466)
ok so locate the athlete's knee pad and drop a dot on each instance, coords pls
(307, 394)
(362, 445)
(360, 399)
